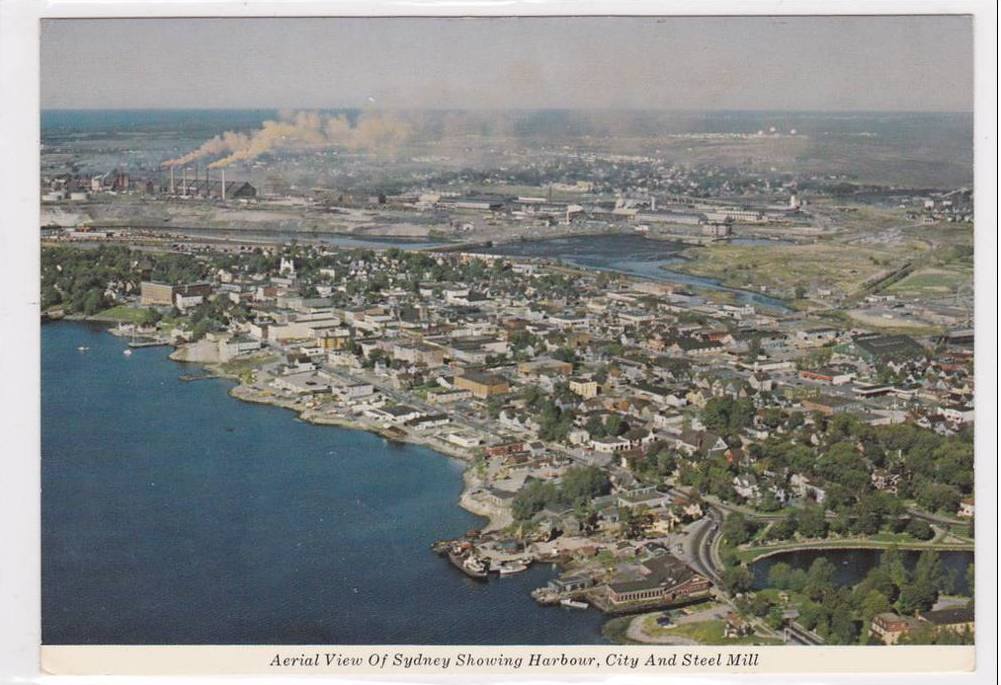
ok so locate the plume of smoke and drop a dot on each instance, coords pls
(303, 131)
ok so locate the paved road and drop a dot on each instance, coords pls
(699, 547)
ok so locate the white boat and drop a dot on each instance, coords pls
(127, 353)
(511, 567)
(573, 603)
(83, 348)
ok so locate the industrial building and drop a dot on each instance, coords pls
(482, 385)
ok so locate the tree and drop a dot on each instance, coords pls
(737, 530)
(778, 575)
(916, 596)
(878, 579)
(149, 317)
(737, 579)
(938, 497)
(759, 605)
(919, 529)
(843, 628)
(666, 463)
(615, 425)
(595, 427)
(727, 415)
(892, 562)
(784, 529)
(532, 499)
(812, 523)
(872, 603)
(581, 484)
(820, 578)
(93, 302)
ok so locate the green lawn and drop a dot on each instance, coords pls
(122, 313)
(706, 633)
(935, 281)
(237, 366)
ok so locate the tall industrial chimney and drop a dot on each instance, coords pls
(223, 186)
(171, 179)
(184, 181)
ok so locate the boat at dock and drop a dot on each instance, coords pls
(463, 559)
(573, 603)
(471, 565)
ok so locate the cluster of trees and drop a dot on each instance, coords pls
(577, 487)
(737, 529)
(868, 518)
(841, 453)
(711, 476)
(215, 315)
(728, 416)
(654, 465)
(171, 267)
(77, 279)
(609, 425)
(553, 412)
(842, 615)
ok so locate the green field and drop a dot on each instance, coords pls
(121, 313)
(933, 281)
(780, 269)
(705, 633)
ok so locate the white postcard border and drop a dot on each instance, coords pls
(19, 344)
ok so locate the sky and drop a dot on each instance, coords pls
(700, 63)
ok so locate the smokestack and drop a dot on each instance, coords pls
(171, 179)
(653, 204)
(223, 186)
(184, 181)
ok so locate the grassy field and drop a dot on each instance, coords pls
(705, 633)
(783, 268)
(933, 282)
(121, 313)
(237, 366)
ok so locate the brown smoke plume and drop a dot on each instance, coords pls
(303, 131)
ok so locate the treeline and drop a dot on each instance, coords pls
(84, 281)
(839, 455)
(78, 280)
(843, 615)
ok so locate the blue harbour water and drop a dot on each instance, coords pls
(173, 513)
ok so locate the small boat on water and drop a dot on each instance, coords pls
(511, 567)
(127, 353)
(83, 348)
(573, 603)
